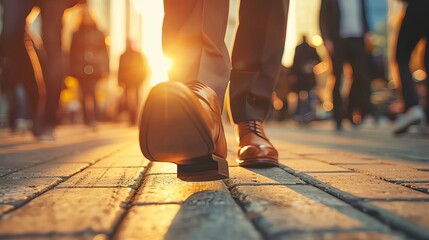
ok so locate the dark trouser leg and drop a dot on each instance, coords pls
(411, 31)
(359, 92)
(53, 65)
(193, 39)
(256, 58)
(337, 65)
(426, 60)
(17, 66)
(132, 103)
(84, 96)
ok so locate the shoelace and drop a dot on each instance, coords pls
(252, 126)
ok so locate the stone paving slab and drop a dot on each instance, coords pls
(139, 222)
(50, 170)
(414, 211)
(67, 212)
(338, 158)
(367, 187)
(395, 201)
(85, 152)
(184, 210)
(105, 177)
(213, 216)
(122, 162)
(57, 237)
(294, 150)
(167, 188)
(14, 162)
(4, 208)
(269, 176)
(317, 193)
(391, 172)
(163, 168)
(312, 166)
(15, 191)
(278, 210)
(128, 156)
(413, 215)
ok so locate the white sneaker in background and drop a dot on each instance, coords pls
(414, 116)
(22, 126)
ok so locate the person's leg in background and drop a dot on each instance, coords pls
(181, 120)
(53, 64)
(133, 102)
(84, 92)
(337, 100)
(411, 31)
(256, 61)
(89, 101)
(426, 62)
(17, 66)
(359, 92)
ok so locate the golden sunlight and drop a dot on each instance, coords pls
(153, 13)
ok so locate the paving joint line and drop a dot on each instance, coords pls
(372, 175)
(52, 234)
(47, 161)
(140, 204)
(232, 186)
(24, 202)
(132, 198)
(258, 228)
(395, 226)
(331, 230)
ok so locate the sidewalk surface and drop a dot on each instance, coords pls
(358, 184)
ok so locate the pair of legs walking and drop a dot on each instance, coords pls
(21, 64)
(350, 50)
(414, 27)
(181, 120)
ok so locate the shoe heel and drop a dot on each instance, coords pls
(206, 168)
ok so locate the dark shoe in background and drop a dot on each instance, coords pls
(254, 148)
(182, 124)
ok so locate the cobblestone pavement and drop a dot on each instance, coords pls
(358, 184)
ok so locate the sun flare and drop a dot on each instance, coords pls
(153, 13)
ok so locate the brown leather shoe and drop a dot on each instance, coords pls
(254, 148)
(182, 124)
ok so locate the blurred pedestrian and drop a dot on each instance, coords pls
(414, 27)
(19, 112)
(181, 120)
(344, 29)
(42, 76)
(305, 59)
(89, 62)
(133, 71)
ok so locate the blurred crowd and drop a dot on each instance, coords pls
(346, 80)
(43, 84)
(363, 86)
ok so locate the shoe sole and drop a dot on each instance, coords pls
(172, 130)
(405, 128)
(258, 163)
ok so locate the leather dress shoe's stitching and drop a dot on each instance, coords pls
(196, 87)
(253, 126)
